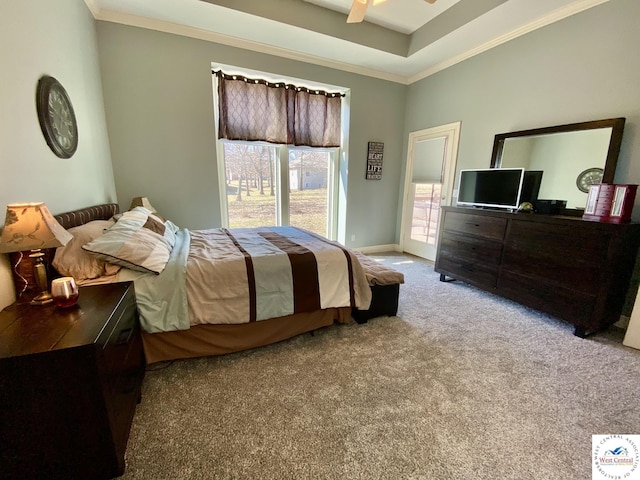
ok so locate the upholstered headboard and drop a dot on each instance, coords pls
(88, 214)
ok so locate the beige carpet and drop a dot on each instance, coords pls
(460, 385)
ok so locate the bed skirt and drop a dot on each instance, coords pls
(205, 340)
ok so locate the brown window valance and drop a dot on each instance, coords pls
(276, 112)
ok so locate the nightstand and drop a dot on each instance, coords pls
(69, 383)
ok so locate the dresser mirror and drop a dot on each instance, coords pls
(570, 156)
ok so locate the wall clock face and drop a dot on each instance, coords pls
(56, 117)
(590, 176)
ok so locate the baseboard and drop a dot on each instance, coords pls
(379, 248)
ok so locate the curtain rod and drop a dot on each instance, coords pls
(268, 83)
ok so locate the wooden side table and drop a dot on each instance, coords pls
(70, 380)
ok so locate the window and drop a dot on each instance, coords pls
(250, 182)
(263, 190)
(275, 183)
(309, 204)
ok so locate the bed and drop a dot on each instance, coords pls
(212, 328)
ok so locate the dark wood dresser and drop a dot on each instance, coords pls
(573, 269)
(69, 383)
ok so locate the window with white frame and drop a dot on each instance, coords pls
(266, 179)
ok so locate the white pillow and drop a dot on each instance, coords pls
(139, 240)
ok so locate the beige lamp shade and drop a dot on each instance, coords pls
(30, 226)
(142, 202)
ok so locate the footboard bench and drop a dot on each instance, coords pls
(385, 289)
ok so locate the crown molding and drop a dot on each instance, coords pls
(93, 8)
(540, 22)
(201, 34)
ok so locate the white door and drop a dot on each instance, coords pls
(431, 164)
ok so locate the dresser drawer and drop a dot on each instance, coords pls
(478, 225)
(468, 270)
(585, 245)
(557, 254)
(125, 309)
(477, 249)
(125, 326)
(548, 297)
(125, 393)
(124, 369)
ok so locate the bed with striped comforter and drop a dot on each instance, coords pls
(234, 276)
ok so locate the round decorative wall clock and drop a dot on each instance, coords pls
(589, 177)
(56, 117)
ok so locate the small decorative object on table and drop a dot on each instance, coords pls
(610, 203)
(526, 207)
(64, 291)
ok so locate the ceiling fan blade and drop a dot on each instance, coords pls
(358, 9)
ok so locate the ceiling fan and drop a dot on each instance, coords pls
(359, 8)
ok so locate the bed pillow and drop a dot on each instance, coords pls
(71, 260)
(139, 240)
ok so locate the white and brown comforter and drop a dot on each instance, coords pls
(247, 275)
(222, 276)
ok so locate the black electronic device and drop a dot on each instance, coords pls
(549, 207)
(531, 186)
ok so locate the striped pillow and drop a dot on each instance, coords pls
(139, 240)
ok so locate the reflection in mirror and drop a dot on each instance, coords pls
(563, 153)
(578, 151)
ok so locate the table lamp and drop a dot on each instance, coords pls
(30, 226)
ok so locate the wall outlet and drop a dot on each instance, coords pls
(353, 238)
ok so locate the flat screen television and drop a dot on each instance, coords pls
(491, 187)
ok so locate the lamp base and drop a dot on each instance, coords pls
(43, 298)
(40, 275)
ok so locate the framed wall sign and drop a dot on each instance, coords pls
(374, 160)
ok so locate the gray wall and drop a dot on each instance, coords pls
(585, 67)
(59, 39)
(159, 105)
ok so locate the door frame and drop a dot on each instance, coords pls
(451, 132)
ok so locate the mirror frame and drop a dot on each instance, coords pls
(617, 129)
